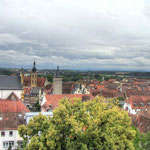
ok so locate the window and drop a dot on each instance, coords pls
(135, 104)
(2, 133)
(8, 143)
(10, 133)
(142, 104)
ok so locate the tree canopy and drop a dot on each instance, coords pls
(77, 125)
(141, 141)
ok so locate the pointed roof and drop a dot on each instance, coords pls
(57, 72)
(34, 67)
(12, 104)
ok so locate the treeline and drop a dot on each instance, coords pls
(5, 72)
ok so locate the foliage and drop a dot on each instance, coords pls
(98, 77)
(121, 98)
(49, 78)
(141, 141)
(77, 125)
(9, 148)
(37, 106)
(5, 71)
(72, 76)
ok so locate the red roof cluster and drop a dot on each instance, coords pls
(12, 105)
(141, 121)
(139, 102)
(53, 100)
(11, 121)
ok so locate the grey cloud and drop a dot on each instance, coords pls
(75, 34)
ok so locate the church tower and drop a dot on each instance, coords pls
(57, 83)
(34, 76)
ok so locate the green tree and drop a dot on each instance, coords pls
(37, 106)
(121, 98)
(146, 141)
(50, 78)
(141, 141)
(77, 125)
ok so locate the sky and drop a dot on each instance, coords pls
(75, 34)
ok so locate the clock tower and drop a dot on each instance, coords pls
(34, 76)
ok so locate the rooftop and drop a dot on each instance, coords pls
(10, 82)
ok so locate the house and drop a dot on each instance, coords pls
(9, 136)
(12, 104)
(9, 84)
(50, 102)
(80, 88)
(12, 112)
(141, 121)
(136, 103)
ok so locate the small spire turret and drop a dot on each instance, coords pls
(57, 72)
(34, 67)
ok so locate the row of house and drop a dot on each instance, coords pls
(17, 94)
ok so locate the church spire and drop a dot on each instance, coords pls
(34, 67)
(57, 72)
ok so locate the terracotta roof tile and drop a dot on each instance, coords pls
(139, 102)
(141, 121)
(53, 100)
(8, 105)
(10, 121)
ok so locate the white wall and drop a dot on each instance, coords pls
(7, 137)
(130, 110)
(5, 93)
(44, 100)
(30, 115)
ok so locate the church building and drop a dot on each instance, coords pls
(33, 86)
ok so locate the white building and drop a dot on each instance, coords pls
(80, 89)
(136, 103)
(12, 112)
(9, 136)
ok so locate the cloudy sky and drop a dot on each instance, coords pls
(75, 34)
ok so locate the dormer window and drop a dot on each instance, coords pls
(148, 104)
(135, 104)
(142, 104)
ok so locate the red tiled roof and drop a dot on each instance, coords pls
(11, 121)
(8, 105)
(141, 121)
(54, 99)
(67, 87)
(40, 81)
(130, 92)
(136, 101)
(144, 113)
